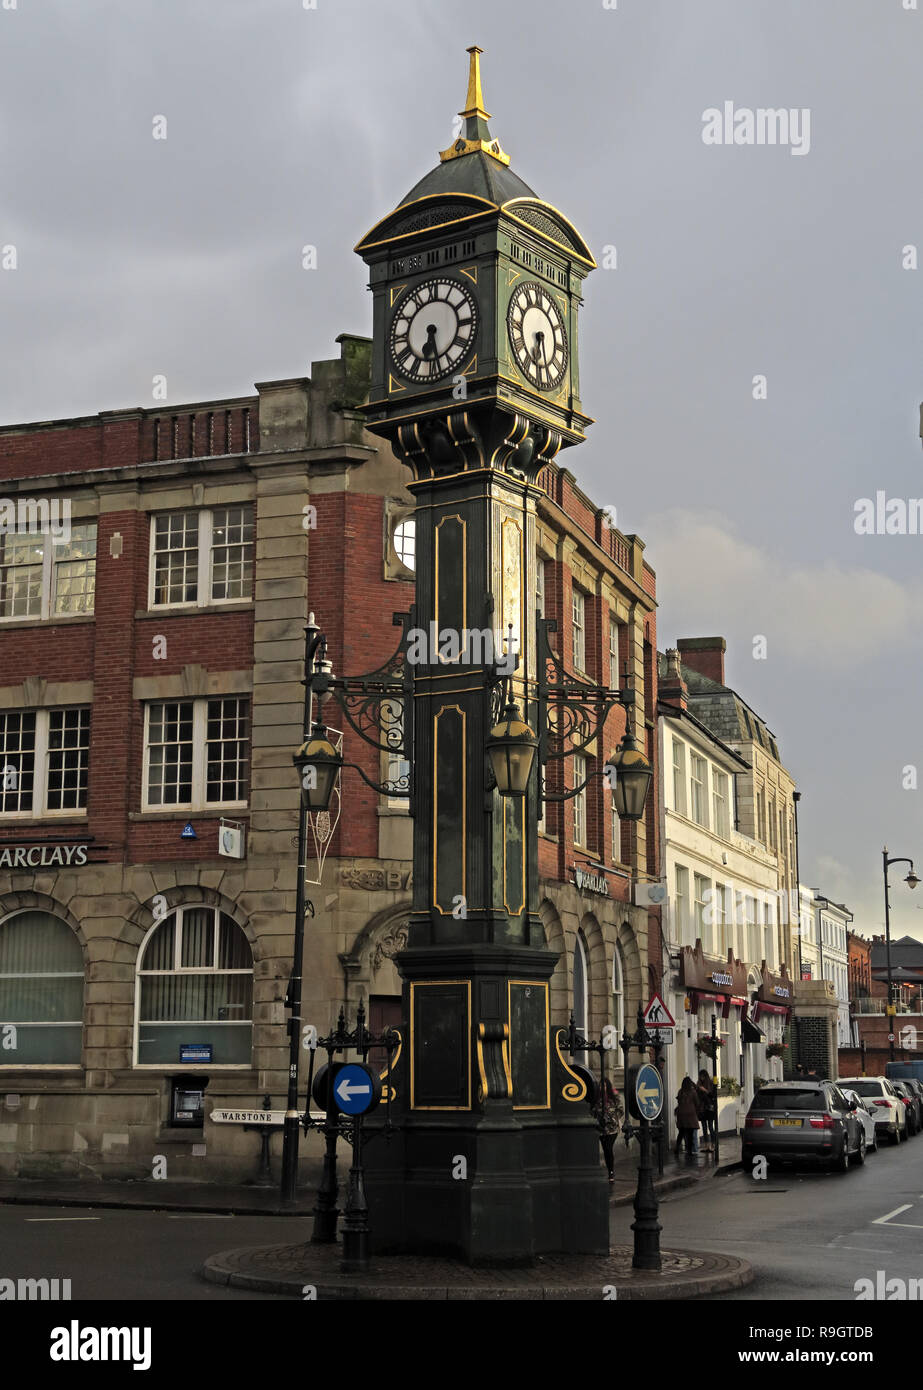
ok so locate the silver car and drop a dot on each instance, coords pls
(866, 1115)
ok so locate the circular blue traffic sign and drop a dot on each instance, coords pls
(355, 1089)
(648, 1090)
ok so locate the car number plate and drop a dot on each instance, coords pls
(777, 1124)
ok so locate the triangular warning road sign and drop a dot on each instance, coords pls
(657, 1015)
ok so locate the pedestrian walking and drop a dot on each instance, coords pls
(687, 1114)
(607, 1113)
(708, 1097)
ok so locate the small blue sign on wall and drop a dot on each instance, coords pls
(195, 1052)
(187, 832)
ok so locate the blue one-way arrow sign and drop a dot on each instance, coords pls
(353, 1090)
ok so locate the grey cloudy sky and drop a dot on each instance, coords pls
(289, 126)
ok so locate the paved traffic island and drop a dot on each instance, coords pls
(313, 1271)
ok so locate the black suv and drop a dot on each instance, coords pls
(803, 1122)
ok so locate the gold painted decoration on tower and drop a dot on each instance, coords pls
(476, 135)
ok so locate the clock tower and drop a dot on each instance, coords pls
(475, 384)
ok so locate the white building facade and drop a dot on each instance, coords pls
(722, 914)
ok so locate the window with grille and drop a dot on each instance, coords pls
(195, 985)
(43, 578)
(41, 991)
(44, 761)
(197, 753)
(405, 542)
(202, 557)
(74, 571)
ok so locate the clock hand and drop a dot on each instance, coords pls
(539, 348)
(429, 347)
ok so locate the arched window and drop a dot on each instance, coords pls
(41, 991)
(580, 990)
(618, 990)
(195, 990)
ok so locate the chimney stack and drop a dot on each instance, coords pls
(705, 655)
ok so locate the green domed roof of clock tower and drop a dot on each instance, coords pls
(474, 163)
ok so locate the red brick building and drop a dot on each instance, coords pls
(151, 659)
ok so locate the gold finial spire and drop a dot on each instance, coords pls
(474, 101)
(475, 136)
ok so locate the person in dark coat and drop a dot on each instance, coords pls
(688, 1113)
(709, 1100)
(607, 1112)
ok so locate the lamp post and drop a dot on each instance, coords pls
(911, 880)
(314, 641)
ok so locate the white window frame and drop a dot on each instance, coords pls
(721, 803)
(616, 830)
(539, 587)
(578, 628)
(618, 991)
(49, 609)
(39, 809)
(199, 756)
(694, 760)
(7, 1060)
(680, 802)
(580, 804)
(613, 654)
(681, 895)
(192, 970)
(205, 560)
(700, 887)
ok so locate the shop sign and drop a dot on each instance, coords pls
(195, 1052)
(41, 856)
(591, 883)
(775, 989)
(710, 976)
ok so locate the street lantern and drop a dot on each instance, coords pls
(911, 880)
(511, 748)
(318, 763)
(632, 780)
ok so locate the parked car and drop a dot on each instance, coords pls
(803, 1122)
(917, 1086)
(866, 1113)
(890, 1110)
(912, 1103)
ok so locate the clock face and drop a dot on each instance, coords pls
(537, 336)
(433, 329)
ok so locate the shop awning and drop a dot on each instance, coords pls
(761, 1008)
(750, 1033)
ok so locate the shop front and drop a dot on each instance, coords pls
(713, 1002)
